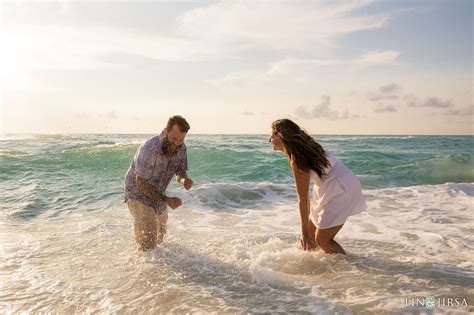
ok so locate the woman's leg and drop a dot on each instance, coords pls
(325, 240)
(312, 230)
(312, 227)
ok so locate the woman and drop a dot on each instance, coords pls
(337, 191)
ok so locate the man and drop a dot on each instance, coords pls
(149, 174)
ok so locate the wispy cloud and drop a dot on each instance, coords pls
(247, 113)
(367, 60)
(233, 80)
(374, 97)
(385, 92)
(464, 112)
(323, 110)
(109, 115)
(82, 116)
(106, 115)
(434, 102)
(390, 88)
(248, 25)
(297, 65)
(217, 31)
(55, 46)
(386, 109)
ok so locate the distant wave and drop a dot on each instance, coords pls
(237, 195)
(54, 136)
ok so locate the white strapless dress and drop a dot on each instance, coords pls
(336, 197)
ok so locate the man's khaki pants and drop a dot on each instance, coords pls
(149, 227)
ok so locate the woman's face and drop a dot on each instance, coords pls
(276, 142)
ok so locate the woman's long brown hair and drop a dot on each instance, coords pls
(301, 147)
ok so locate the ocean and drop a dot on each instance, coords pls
(66, 242)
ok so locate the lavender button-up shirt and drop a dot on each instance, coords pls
(151, 164)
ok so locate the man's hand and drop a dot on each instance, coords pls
(183, 179)
(173, 202)
(187, 183)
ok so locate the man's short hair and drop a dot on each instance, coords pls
(179, 121)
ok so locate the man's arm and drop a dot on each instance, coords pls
(145, 187)
(181, 176)
(183, 179)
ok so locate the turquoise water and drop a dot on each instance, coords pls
(66, 242)
(57, 173)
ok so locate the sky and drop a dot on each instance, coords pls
(233, 67)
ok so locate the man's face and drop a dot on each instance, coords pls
(173, 140)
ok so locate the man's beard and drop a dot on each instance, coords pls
(168, 149)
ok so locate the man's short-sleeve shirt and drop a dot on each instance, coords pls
(158, 169)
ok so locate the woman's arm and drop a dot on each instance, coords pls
(302, 188)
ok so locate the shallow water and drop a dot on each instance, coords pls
(66, 241)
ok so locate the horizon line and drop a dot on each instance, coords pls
(236, 134)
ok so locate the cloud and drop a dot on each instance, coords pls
(390, 88)
(367, 60)
(232, 80)
(109, 115)
(385, 92)
(378, 58)
(386, 109)
(465, 112)
(283, 25)
(374, 97)
(247, 113)
(82, 116)
(65, 47)
(292, 65)
(323, 110)
(217, 31)
(434, 102)
(302, 112)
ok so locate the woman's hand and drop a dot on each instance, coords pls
(307, 242)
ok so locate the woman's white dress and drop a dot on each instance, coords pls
(336, 197)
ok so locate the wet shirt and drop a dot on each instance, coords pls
(158, 169)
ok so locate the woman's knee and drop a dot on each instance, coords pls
(324, 239)
(325, 243)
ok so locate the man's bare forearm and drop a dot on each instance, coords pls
(145, 187)
(180, 176)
